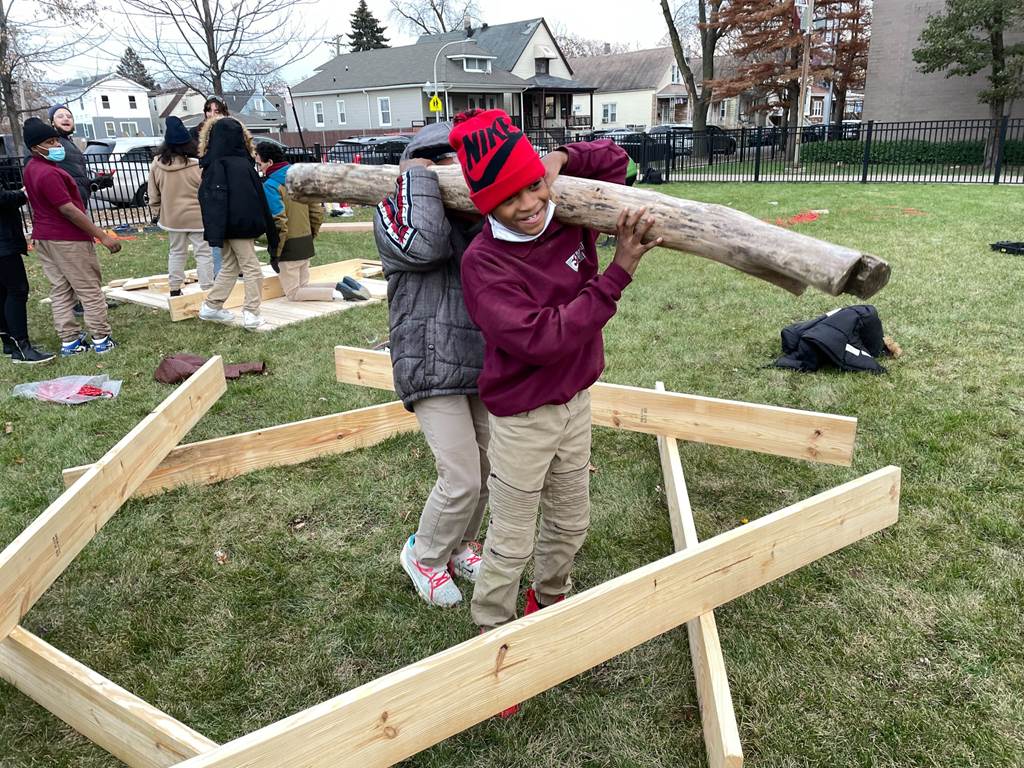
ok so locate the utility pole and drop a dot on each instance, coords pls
(336, 42)
(806, 24)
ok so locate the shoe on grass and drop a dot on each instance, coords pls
(25, 354)
(103, 345)
(465, 564)
(352, 290)
(70, 348)
(434, 585)
(8, 344)
(206, 312)
(251, 320)
(533, 604)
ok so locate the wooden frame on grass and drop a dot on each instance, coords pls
(383, 722)
(187, 305)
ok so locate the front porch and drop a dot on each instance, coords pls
(547, 105)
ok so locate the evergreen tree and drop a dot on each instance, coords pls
(367, 33)
(131, 67)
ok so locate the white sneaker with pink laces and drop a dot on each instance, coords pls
(465, 564)
(435, 585)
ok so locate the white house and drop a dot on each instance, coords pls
(639, 89)
(180, 102)
(107, 107)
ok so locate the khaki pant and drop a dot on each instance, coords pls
(540, 459)
(73, 269)
(238, 256)
(296, 286)
(456, 430)
(177, 257)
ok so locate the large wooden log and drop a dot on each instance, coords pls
(717, 232)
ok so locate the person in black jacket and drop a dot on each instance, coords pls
(235, 213)
(14, 282)
(74, 161)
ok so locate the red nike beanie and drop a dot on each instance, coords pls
(496, 157)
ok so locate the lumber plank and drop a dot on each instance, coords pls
(187, 305)
(210, 461)
(133, 731)
(780, 256)
(718, 717)
(386, 721)
(34, 560)
(819, 437)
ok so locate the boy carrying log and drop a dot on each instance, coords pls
(531, 284)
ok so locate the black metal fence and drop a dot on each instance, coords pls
(974, 151)
(946, 151)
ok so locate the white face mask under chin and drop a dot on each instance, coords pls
(501, 232)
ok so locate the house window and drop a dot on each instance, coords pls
(318, 113)
(476, 65)
(341, 112)
(609, 113)
(723, 110)
(384, 109)
(131, 103)
(87, 131)
(817, 107)
(110, 129)
(129, 129)
(549, 107)
(676, 75)
(540, 66)
(105, 102)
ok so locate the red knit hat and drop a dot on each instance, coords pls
(496, 157)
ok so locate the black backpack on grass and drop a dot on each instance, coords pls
(849, 338)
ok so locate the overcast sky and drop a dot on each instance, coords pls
(641, 26)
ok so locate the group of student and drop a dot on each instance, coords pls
(204, 191)
(496, 337)
(495, 319)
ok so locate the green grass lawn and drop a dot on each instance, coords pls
(903, 650)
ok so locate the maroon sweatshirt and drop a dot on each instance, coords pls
(541, 304)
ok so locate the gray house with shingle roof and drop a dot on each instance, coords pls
(528, 50)
(390, 88)
(638, 89)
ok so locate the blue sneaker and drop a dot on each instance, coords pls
(104, 345)
(74, 347)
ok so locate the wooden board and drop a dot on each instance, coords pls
(347, 226)
(134, 732)
(411, 709)
(276, 313)
(721, 735)
(187, 305)
(211, 461)
(788, 432)
(34, 560)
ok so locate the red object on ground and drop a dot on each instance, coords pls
(804, 217)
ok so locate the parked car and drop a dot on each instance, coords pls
(292, 154)
(370, 150)
(128, 160)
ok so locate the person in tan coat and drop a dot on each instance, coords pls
(174, 180)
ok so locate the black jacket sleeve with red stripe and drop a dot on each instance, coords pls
(410, 227)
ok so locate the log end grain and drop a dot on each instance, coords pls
(869, 276)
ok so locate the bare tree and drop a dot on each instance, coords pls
(704, 26)
(432, 17)
(205, 44)
(33, 43)
(576, 46)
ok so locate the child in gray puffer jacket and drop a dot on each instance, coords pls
(437, 354)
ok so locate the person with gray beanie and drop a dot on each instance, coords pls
(63, 121)
(437, 354)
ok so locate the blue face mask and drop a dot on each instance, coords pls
(56, 154)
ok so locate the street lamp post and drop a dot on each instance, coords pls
(806, 23)
(436, 56)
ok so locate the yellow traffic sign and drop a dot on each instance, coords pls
(435, 103)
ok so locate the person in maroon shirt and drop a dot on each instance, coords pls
(531, 284)
(63, 234)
